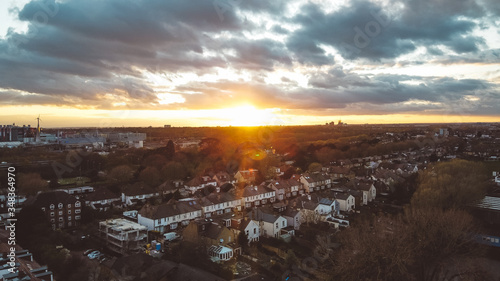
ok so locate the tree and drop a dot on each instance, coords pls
(242, 239)
(314, 167)
(170, 150)
(421, 244)
(31, 183)
(173, 171)
(150, 176)
(122, 173)
(451, 184)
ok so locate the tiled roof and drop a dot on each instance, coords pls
(172, 208)
(252, 190)
(101, 194)
(138, 188)
(53, 197)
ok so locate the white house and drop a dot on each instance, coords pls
(285, 188)
(254, 195)
(293, 218)
(137, 192)
(315, 181)
(368, 189)
(346, 201)
(250, 227)
(220, 203)
(102, 199)
(271, 225)
(166, 217)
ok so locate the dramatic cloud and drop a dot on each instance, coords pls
(305, 56)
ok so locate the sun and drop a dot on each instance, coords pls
(246, 115)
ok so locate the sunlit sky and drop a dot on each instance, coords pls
(113, 63)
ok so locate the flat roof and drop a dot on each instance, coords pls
(490, 203)
(123, 225)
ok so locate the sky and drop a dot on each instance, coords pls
(112, 63)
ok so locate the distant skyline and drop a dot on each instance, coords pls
(113, 63)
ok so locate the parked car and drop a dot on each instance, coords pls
(94, 255)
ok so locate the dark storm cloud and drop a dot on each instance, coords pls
(367, 30)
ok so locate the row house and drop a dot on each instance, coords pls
(219, 203)
(199, 183)
(167, 216)
(339, 172)
(102, 199)
(60, 208)
(138, 192)
(286, 188)
(315, 182)
(254, 196)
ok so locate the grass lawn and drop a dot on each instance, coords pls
(75, 181)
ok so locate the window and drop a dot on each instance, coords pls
(69, 212)
(69, 218)
(229, 239)
(43, 209)
(77, 211)
(255, 231)
(276, 225)
(69, 206)
(247, 232)
(60, 206)
(283, 223)
(77, 217)
(52, 206)
(61, 219)
(51, 214)
(77, 204)
(60, 213)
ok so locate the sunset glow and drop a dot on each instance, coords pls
(188, 64)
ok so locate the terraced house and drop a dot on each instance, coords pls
(315, 181)
(220, 203)
(168, 216)
(285, 188)
(257, 195)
